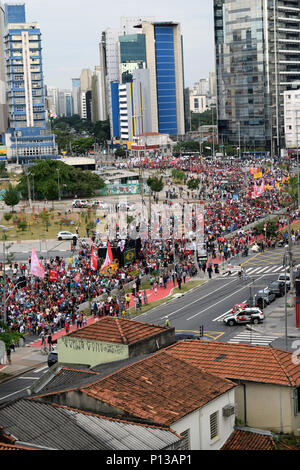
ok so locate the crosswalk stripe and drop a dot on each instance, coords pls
(269, 270)
(262, 270)
(251, 338)
(251, 270)
(277, 269)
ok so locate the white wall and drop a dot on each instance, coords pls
(198, 423)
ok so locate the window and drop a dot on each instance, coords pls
(185, 440)
(214, 425)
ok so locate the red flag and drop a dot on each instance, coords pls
(94, 260)
(53, 275)
(36, 266)
(109, 257)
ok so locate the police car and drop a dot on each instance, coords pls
(243, 316)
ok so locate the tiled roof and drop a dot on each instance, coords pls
(117, 330)
(239, 361)
(159, 389)
(62, 428)
(13, 447)
(249, 440)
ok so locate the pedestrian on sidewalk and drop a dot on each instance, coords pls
(145, 297)
(49, 340)
(209, 270)
(155, 287)
(8, 355)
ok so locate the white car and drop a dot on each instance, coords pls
(286, 279)
(66, 235)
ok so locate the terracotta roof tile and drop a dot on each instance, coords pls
(117, 330)
(4, 446)
(239, 361)
(249, 440)
(159, 389)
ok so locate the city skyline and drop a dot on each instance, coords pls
(60, 22)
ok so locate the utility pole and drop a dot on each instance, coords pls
(28, 187)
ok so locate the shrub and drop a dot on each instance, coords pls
(7, 216)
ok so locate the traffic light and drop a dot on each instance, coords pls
(201, 330)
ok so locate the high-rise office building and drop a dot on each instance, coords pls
(109, 70)
(257, 59)
(27, 134)
(164, 60)
(76, 95)
(85, 94)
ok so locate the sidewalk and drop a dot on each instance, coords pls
(23, 360)
(274, 324)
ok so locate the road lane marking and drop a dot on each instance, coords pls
(14, 393)
(39, 370)
(29, 378)
(195, 301)
(251, 270)
(225, 298)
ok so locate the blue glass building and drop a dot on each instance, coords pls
(165, 80)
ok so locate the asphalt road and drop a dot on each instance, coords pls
(208, 304)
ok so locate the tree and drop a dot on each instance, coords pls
(293, 189)
(3, 170)
(178, 175)
(72, 181)
(193, 184)
(155, 184)
(11, 196)
(120, 153)
(189, 146)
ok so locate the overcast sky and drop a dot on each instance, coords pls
(72, 29)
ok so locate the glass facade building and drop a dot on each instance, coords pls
(165, 79)
(132, 55)
(257, 59)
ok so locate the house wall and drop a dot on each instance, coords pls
(152, 344)
(198, 423)
(268, 406)
(73, 350)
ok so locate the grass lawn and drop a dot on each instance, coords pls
(39, 228)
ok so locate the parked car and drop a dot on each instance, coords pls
(64, 235)
(182, 336)
(277, 287)
(264, 297)
(124, 206)
(248, 315)
(52, 358)
(285, 278)
(79, 203)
